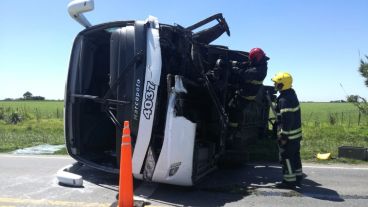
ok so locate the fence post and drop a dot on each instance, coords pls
(359, 118)
(342, 118)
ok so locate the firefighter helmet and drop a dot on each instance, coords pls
(256, 54)
(282, 81)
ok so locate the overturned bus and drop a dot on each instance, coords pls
(155, 76)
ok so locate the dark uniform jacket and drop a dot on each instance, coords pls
(288, 116)
(250, 78)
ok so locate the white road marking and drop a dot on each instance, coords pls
(253, 165)
(335, 167)
(45, 202)
(165, 203)
(350, 167)
(37, 156)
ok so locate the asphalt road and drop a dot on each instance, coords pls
(30, 181)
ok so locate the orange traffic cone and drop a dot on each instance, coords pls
(125, 176)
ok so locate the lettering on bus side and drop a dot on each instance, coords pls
(137, 99)
(148, 102)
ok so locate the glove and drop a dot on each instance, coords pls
(215, 73)
(238, 67)
(235, 70)
(282, 139)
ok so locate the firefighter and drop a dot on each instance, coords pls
(243, 109)
(251, 73)
(289, 131)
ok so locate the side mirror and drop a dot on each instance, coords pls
(77, 7)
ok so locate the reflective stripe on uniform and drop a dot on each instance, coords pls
(292, 134)
(291, 131)
(250, 98)
(293, 179)
(288, 166)
(233, 124)
(289, 176)
(299, 172)
(255, 82)
(290, 109)
(295, 136)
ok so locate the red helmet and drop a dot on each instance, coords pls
(256, 54)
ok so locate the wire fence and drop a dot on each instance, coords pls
(344, 118)
(31, 113)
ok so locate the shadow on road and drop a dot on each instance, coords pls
(221, 187)
(315, 190)
(231, 185)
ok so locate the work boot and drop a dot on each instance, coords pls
(285, 185)
(299, 180)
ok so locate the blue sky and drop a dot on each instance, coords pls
(318, 42)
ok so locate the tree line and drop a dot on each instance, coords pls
(27, 96)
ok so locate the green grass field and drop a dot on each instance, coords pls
(36, 109)
(31, 133)
(41, 122)
(326, 126)
(332, 114)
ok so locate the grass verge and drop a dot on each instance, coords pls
(316, 139)
(329, 138)
(30, 133)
